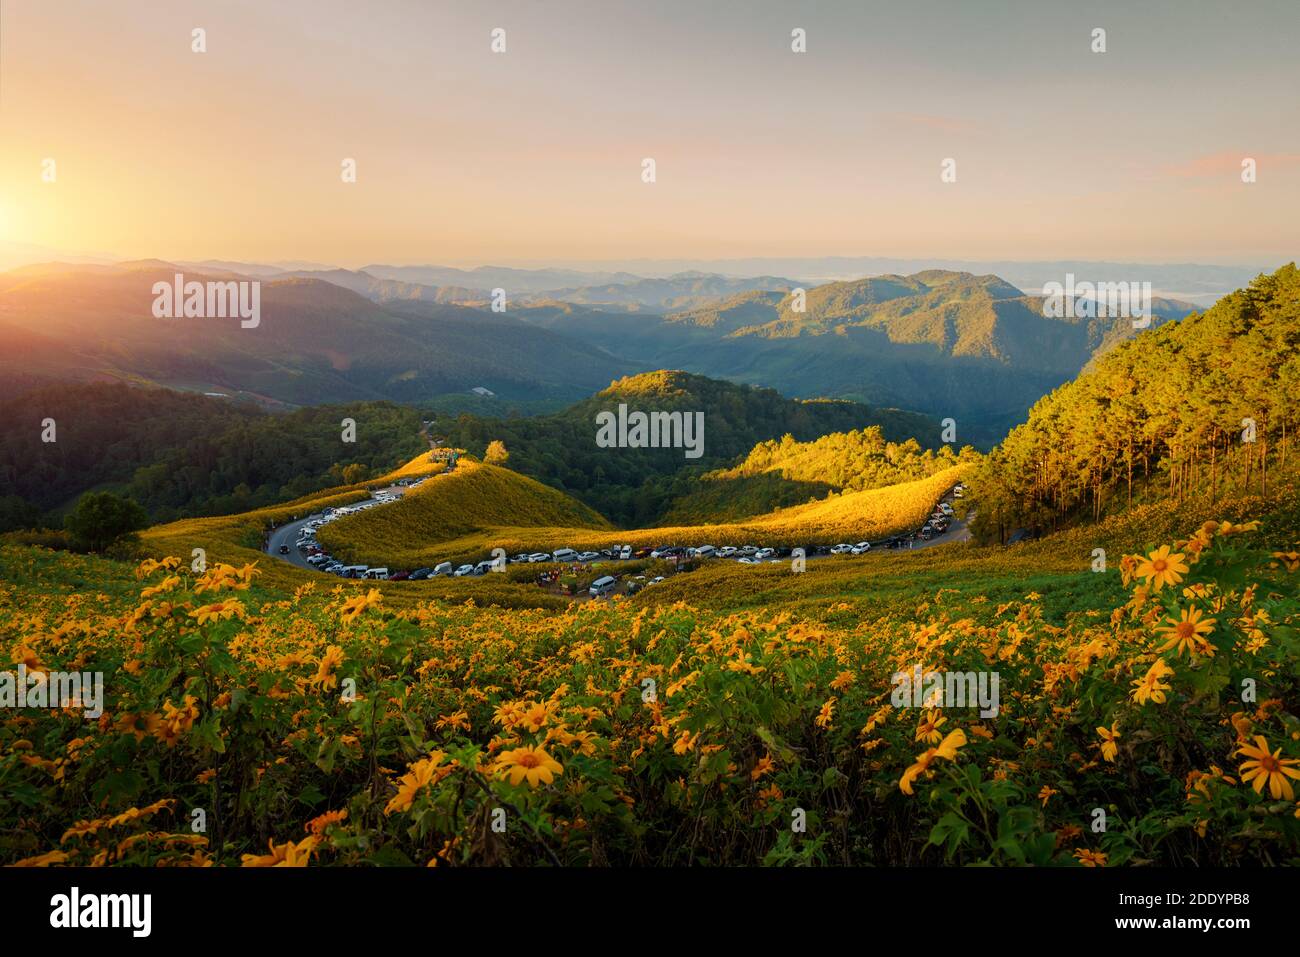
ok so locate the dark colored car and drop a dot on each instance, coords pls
(420, 574)
(284, 549)
(399, 577)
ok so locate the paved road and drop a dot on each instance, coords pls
(288, 535)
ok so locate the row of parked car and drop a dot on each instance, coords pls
(745, 554)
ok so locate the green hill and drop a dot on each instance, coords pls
(636, 486)
(1186, 410)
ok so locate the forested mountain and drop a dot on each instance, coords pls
(686, 290)
(1192, 408)
(316, 342)
(950, 344)
(181, 455)
(634, 486)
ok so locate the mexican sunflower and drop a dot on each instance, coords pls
(1109, 742)
(1265, 767)
(528, 763)
(418, 775)
(287, 854)
(1151, 687)
(355, 605)
(1187, 633)
(947, 749)
(1162, 568)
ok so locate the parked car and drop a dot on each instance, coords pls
(399, 576)
(641, 553)
(442, 568)
(602, 586)
(590, 557)
(565, 555)
(706, 551)
(284, 549)
(420, 574)
(624, 552)
(463, 571)
(726, 551)
(539, 557)
(842, 549)
(656, 580)
(763, 554)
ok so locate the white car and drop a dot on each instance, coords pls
(726, 551)
(747, 550)
(747, 560)
(463, 571)
(540, 557)
(945, 508)
(656, 580)
(842, 549)
(861, 548)
(763, 554)
(589, 556)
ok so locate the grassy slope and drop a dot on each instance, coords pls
(465, 516)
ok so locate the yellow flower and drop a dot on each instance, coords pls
(764, 766)
(288, 854)
(1046, 793)
(1291, 560)
(218, 611)
(528, 763)
(1150, 687)
(320, 824)
(1090, 858)
(1268, 768)
(1186, 633)
(1109, 742)
(823, 719)
(948, 746)
(1162, 568)
(355, 605)
(329, 662)
(928, 730)
(947, 749)
(418, 775)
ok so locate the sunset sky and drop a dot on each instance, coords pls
(465, 156)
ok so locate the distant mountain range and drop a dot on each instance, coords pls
(316, 342)
(948, 344)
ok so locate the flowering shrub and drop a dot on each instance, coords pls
(244, 727)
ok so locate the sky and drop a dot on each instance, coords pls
(465, 156)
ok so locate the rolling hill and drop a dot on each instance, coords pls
(949, 344)
(635, 486)
(316, 342)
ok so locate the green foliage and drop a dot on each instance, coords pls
(636, 487)
(1161, 416)
(184, 455)
(101, 518)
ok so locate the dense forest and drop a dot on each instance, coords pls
(180, 454)
(637, 487)
(1195, 408)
